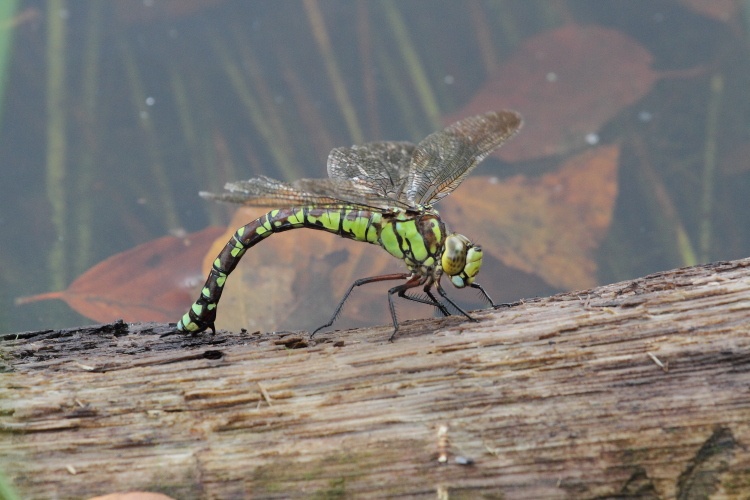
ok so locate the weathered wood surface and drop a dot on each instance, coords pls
(560, 397)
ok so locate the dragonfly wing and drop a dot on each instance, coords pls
(443, 159)
(382, 165)
(323, 193)
(360, 192)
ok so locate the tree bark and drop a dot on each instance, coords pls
(639, 389)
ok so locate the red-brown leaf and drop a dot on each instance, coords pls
(549, 226)
(566, 83)
(155, 281)
(723, 10)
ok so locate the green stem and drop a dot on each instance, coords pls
(413, 64)
(86, 174)
(158, 172)
(364, 29)
(320, 32)
(709, 166)
(483, 34)
(56, 140)
(277, 149)
(506, 20)
(666, 212)
(395, 85)
(273, 117)
(8, 9)
(309, 115)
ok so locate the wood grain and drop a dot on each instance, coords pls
(639, 389)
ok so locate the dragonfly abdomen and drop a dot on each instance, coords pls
(359, 225)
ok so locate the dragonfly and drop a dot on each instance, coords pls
(380, 193)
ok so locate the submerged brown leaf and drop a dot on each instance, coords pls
(549, 226)
(723, 10)
(155, 281)
(566, 83)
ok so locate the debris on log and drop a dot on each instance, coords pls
(639, 389)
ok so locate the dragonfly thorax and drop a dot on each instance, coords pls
(461, 260)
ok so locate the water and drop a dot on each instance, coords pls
(115, 115)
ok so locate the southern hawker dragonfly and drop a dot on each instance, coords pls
(380, 193)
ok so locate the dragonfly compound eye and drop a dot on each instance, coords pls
(454, 254)
(471, 268)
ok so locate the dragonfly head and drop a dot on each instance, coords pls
(461, 260)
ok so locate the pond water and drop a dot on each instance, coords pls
(116, 114)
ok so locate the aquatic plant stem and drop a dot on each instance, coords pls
(413, 64)
(709, 166)
(319, 136)
(317, 24)
(8, 9)
(262, 89)
(56, 141)
(506, 20)
(86, 173)
(158, 172)
(284, 163)
(364, 29)
(399, 93)
(667, 211)
(204, 169)
(483, 35)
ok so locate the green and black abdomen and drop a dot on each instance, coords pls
(359, 225)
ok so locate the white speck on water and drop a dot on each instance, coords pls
(449, 79)
(645, 116)
(592, 139)
(551, 77)
(150, 101)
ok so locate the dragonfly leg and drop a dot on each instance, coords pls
(441, 306)
(433, 301)
(448, 299)
(413, 282)
(359, 282)
(495, 306)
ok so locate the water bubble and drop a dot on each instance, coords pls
(592, 139)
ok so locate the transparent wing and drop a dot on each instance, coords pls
(384, 166)
(443, 159)
(323, 193)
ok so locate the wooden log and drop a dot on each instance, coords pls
(639, 389)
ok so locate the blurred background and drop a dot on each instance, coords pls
(634, 157)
